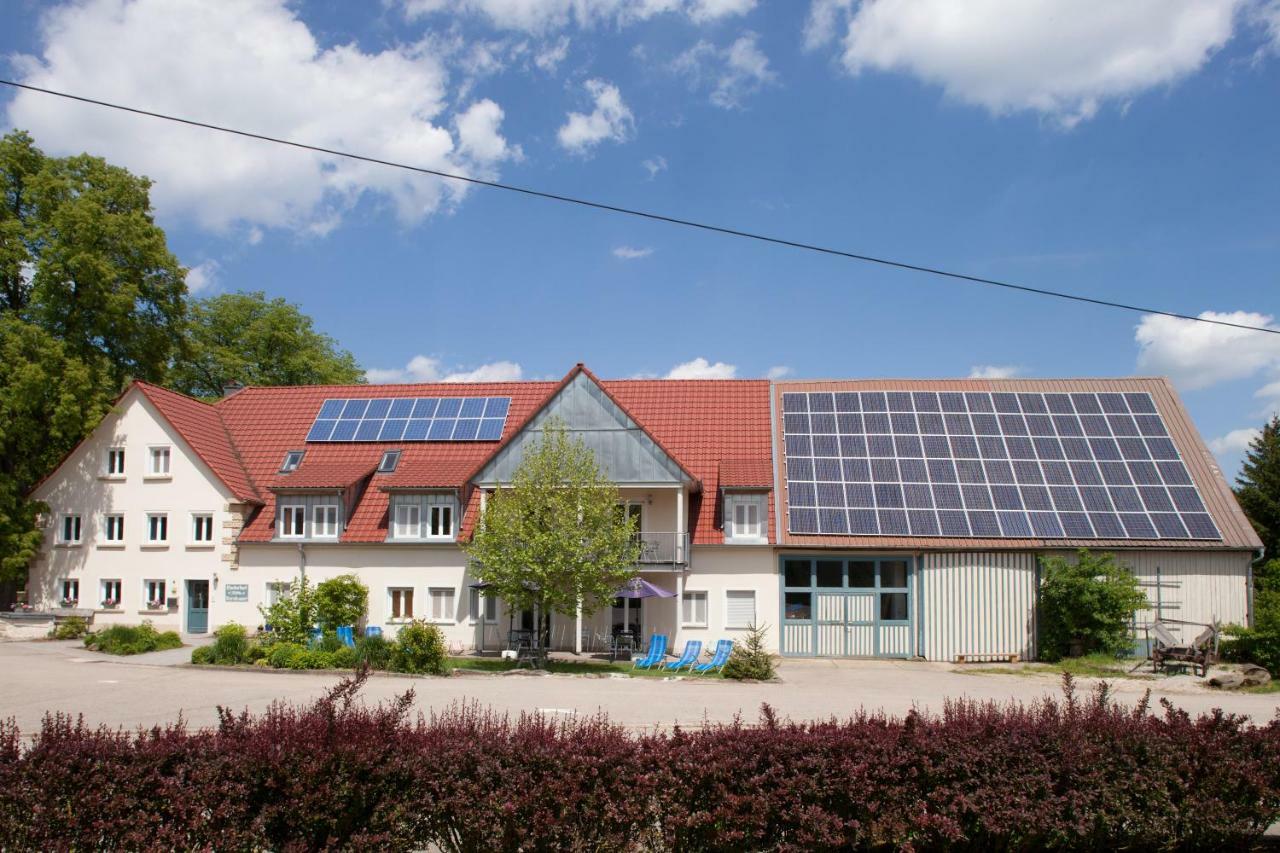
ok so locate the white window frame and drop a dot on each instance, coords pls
(76, 521)
(157, 522)
(114, 453)
(752, 535)
(728, 594)
(108, 585)
(482, 607)
(401, 526)
(398, 591)
(325, 521)
(442, 512)
(198, 520)
(292, 512)
(148, 585)
(276, 590)
(389, 462)
(155, 453)
(292, 460)
(449, 594)
(689, 596)
(70, 585)
(108, 528)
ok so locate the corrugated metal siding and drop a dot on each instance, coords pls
(978, 604)
(895, 640)
(798, 639)
(1201, 587)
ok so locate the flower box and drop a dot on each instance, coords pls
(110, 603)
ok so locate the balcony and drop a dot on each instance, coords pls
(663, 549)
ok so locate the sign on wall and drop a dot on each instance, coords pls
(235, 592)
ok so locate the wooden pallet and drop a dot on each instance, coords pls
(986, 658)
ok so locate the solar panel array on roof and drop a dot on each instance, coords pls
(411, 419)
(986, 465)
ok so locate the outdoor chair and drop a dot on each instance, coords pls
(373, 631)
(657, 652)
(692, 651)
(315, 636)
(723, 649)
(346, 635)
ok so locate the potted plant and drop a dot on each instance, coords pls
(70, 602)
(157, 604)
(19, 607)
(110, 603)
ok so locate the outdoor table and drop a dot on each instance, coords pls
(623, 642)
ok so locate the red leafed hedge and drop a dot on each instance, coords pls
(1067, 774)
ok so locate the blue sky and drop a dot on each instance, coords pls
(1127, 151)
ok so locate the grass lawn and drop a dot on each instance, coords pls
(561, 667)
(1092, 666)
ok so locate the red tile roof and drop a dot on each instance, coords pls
(341, 474)
(746, 474)
(202, 427)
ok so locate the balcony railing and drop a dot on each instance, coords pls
(663, 549)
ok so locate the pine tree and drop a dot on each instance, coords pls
(1258, 490)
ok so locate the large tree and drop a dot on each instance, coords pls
(82, 258)
(1258, 490)
(246, 337)
(48, 400)
(554, 540)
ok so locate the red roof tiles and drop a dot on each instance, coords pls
(746, 474)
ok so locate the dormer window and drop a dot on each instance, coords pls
(744, 518)
(390, 460)
(292, 460)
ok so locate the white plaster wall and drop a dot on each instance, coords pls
(717, 569)
(80, 486)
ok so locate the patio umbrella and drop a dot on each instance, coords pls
(641, 588)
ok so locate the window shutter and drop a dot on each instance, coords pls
(740, 608)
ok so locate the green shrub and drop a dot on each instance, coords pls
(1261, 643)
(131, 639)
(1087, 605)
(282, 654)
(329, 642)
(312, 659)
(257, 652)
(290, 619)
(230, 645)
(341, 601)
(202, 655)
(70, 628)
(750, 658)
(376, 652)
(344, 658)
(419, 648)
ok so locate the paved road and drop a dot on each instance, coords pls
(151, 689)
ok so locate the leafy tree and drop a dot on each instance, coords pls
(1086, 605)
(83, 259)
(246, 337)
(1258, 490)
(341, 601)
(48, 400)
(553, 539)
(291, 618)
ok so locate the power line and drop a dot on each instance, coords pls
(656, 217)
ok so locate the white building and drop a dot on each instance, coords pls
(858, 518)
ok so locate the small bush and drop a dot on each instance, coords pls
(282, 655)
(341, 601)
(750, 658)
(131, 640)
(257, 652)
(328, 642)
(1261, 643)
(70, 628)
(374, 652)
(202, 655)
(292, 616)
(1087, 605)
(344, 658)
(230, 645)
(420, 648)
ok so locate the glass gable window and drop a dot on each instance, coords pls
(115, 462)
(70, 530)
(158, 465)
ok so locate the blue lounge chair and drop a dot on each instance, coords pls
(723, 649)
(657, 651)
(373, 631)
(692, 651)
(346, 635)
(314, 636)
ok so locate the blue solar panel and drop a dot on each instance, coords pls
(974, 464)
(388, 419)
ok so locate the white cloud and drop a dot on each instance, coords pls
(423, 368)
(1061, 58)
(654, 165)
(610, 120)
(1269, 392)
(1235, 442)
(732, 73)
(539, 16)
(630, 253)
(202, 277)
(994, 371)
(478, 136)
(700, 368)
(548, 59)
(1197, 355)
(250, 64)
(781, 371)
